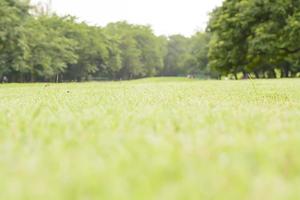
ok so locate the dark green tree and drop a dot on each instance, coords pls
(177, 54)
(50, 51)
(13, 48)
(256, 36)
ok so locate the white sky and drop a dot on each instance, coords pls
(165, 16)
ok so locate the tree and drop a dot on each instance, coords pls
(139, 50)
(255, 36)
(197, 61)
(38, 45)
(50, 51)
(13, 49)
(177, 53)
(91, 49)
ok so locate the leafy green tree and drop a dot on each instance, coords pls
(123, 34)
(151, 55)
(186, 55)
(91, 49)
(255, 36)
(114, 61)
(198, 50)
(13, 49)
(38, 45)
(50, 51)
(228, 45)
(177, 54)
(139, 50)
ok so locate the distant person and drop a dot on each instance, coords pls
(4, 79)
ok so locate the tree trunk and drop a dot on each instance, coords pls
(235, 76)
(245, 75)
(32, 78)
(285, 71)
(263, 74)
(256, 74)
(271, 74)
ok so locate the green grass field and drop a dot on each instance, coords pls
(163, 139)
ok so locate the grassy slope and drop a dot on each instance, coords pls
(151, 139)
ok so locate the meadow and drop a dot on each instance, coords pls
(160, 139)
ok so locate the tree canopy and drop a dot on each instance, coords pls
(41, 46)
(259, 36)
(256, 37)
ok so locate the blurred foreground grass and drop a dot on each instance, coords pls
(151, 139)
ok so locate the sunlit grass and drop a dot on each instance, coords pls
(151, 139)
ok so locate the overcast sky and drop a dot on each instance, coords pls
(165, 16)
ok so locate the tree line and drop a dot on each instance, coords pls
(39, 46)
(244, 38)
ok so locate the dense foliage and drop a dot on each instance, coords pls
(244, 38)
(39, 46)
(257, 36)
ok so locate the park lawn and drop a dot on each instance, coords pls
(163, 139)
